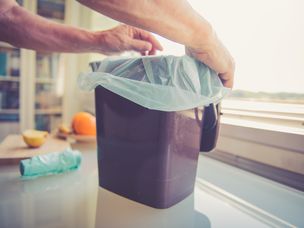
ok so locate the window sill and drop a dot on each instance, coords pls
(256, 124)
(288, 118)
(270, 147)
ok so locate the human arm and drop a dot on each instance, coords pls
(24, 29)
(177, 21)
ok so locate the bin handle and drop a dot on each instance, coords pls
(209, 127)
(197, 118)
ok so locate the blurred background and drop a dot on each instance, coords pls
(263, 119)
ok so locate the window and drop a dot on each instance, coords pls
(263, 123)
(266, 40)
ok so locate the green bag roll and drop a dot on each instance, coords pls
(51, 163)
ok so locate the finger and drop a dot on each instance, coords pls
(152, 52)
(227, 79)
(144, 53)
(147, 36)
(140, 45)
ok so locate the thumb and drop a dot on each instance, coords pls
(140, 45)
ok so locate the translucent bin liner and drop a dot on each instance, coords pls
(164, 83)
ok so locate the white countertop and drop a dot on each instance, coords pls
(75, 200)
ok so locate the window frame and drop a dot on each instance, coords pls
(274, 150)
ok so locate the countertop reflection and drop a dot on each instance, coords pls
(116, 211)
(75, 200)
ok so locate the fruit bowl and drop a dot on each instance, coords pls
(76, 137)
(82, 128)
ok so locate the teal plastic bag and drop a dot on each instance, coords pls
(165, 83)
(51, 163)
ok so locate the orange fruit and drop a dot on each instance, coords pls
(84, 123)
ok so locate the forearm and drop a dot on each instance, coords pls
(173, 19)
(23, 29)
(177, 21)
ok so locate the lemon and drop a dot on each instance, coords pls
(34, 138)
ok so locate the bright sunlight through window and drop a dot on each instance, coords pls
(266, 39)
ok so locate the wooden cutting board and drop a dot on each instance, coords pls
(13, 149)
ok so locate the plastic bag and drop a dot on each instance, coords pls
(165, 83)
(51, 163)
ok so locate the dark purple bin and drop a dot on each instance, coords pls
(146, 155)
(150, 156)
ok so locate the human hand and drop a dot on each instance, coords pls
(216, 56)
(126, 38)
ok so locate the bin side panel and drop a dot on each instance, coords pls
(145, 155)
